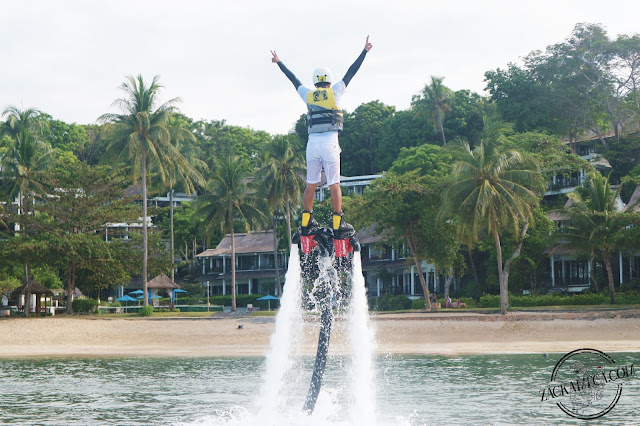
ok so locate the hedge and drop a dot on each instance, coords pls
(146, 311)
(493, 300)
(85, 306)
(392, 303)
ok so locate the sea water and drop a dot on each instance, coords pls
(410, 390)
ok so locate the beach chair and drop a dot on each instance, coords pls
(249, 307)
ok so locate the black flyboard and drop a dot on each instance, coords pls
(322, 243)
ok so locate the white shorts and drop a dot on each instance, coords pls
(323, 154)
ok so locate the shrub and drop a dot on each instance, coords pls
(85, 306)
(628, 298)
(489, 301)
(470, 301)
(392, 303)
(418, 304)
(146, 311)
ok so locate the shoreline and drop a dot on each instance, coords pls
(442, 334)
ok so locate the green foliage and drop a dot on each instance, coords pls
(361, 138)
(434, 103)
(243, 300)
(8, 284)
(146, 311)
(85, 306)
(418, 304)
(392, 303)
(553, 155)
(522, 301)
(427, 159)
(47, 276)
(216, 139)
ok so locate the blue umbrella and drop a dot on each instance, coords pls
(126, 298)
(137, 292)
(269, 298)
(155, 296)
(177, 290)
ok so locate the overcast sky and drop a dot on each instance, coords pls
(68, 58)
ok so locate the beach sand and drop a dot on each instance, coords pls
(411, 333)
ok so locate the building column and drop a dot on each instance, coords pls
(620, 262)
(553, 273)
(224, 288)
(412, 281)
(250, 282)
(378, 283)
(224, 264)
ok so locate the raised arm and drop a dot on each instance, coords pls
(285, 70)
(353, 69)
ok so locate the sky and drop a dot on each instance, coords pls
(69, 57)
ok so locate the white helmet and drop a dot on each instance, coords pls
(322, 75)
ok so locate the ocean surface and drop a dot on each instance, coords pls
(410, 390)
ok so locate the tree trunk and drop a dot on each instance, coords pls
(145, 236)
(444, 141)
(592, 270)
(473, 267)
(71, 286)
(612, 290)
(414, 254)
(233, 263)
(275, 258)
(447, 283)
(503, 271)
(504, 295)
(172, 248)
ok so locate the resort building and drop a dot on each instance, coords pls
(386, 271)
(255, 265)
(568, 271)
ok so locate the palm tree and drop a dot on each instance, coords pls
(22, 166)
(593, 222)
(184, 172)
(435, 102)
(142, 135)
(493, 190)
(230, 201)
(282, 184)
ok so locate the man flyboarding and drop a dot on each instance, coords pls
(324, 122)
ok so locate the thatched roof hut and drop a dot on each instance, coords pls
(162, 281)
(31, 287)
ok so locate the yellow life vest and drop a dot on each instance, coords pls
(323, 114)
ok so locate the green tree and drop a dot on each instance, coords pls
(141, 135)
(403, 208)
(435, 103)
(362, 136)
(402, 130)
(428, 159)
(80, 201)
(281, 186)
(593, 221)
(22, 167)
(230, 201)
(184, 172)
(493, 189)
